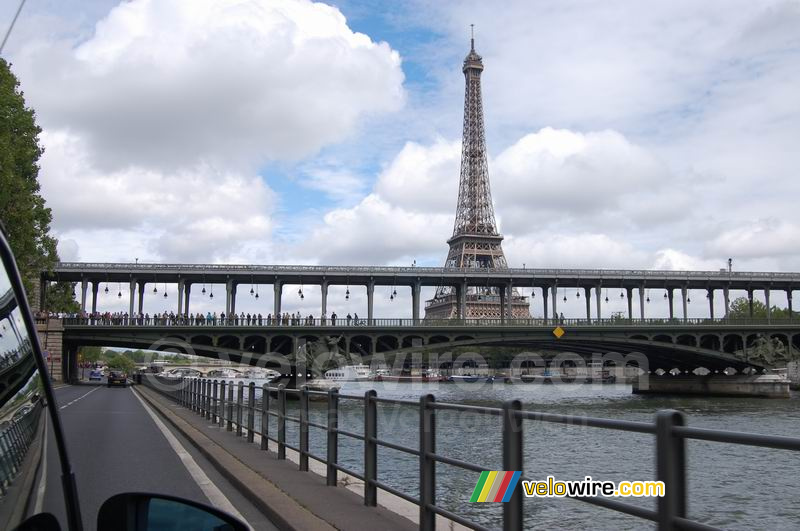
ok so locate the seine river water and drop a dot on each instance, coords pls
(730, 486)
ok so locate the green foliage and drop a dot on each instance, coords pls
(740, 309)
(122, 363)
(23, 213)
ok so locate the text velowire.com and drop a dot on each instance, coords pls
(588, 487)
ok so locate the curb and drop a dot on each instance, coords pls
(280, 508)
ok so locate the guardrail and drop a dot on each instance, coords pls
(235, 412)
(339, 322)
(15, 440)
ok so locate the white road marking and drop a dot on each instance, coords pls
(82, 396)
(43, 478)
(212, 492)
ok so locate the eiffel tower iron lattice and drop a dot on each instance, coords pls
(475, 243)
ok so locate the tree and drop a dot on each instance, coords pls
(740, 309)
(122, 363)
(23, 213)
(91, 354)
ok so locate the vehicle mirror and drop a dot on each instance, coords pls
(150, 512)
(34, 469)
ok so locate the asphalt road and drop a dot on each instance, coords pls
(115, 446)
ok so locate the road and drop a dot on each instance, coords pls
(116, 446)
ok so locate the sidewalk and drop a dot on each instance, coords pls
(289, 498)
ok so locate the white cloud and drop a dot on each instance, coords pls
(169, 83)
(764, 238)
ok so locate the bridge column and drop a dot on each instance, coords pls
(370, 301)
(544, 301)
(84, 287)
(415, 293)
(588, 292)
(789, 302)
(462, 300)
(142, 285)
(95, 287)
(277, 288)
(187, 291)
(555, 301)
(502, 292)
(685, 307)
(230, 297)
(181, 284)
(727, 296)
(711, 303)
(750, 301)
(324, 290)
(132, 297)
(629, 294)
(509, 302)
(766, 301)
(641, 302)
(598, 290)
(671, 299)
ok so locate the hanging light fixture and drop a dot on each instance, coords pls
(347, 294)
(648, 296)
(165, 290)
(106, 288)
(565, 294)
(689, 300)
(252, 291)
(665, 294)
(606, 294)
(577, 293)
(621, 294)
(155, 288)
(119, 290)
(204, 289)
(256, 291)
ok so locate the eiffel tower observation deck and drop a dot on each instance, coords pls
(476, 243)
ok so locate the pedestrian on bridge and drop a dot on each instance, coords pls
(333, 319)
(349, 318)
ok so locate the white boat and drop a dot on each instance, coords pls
(224, 373)
(259, 374)
(349, 373)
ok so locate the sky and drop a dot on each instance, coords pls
(621, 134)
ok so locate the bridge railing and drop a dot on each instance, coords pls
(339, 322)
(235, 406)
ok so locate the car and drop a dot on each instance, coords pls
(117, 378)
(95, 374)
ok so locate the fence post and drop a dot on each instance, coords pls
(222, 385)
(209, 403)
(333, 437)
(303, 462)
(203, 387)
(214, 403)
(281, 421)
(512, 461)
(182, 393)
(239, 400)
(427, 464)
(264, 417)
(229, 424)
(193, 395)
(670, 468)
(370, 448)
(251, 411)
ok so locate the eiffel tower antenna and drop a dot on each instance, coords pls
(475, 243)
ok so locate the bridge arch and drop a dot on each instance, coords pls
(687, 339)
(437, 339)
(281, 344)
(255, 344)
(732, 343)
(229, 341)
(710, 341)
(386, 343)
(412, 341)
(663, 338)
(361, 345)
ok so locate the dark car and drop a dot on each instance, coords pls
(117, 378)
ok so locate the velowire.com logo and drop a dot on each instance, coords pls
(495, 486)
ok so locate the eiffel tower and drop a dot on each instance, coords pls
(475, 242)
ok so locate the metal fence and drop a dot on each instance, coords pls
(235, 408)
(15, 439)
(343, 322)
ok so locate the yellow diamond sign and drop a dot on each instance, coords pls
(558, 332)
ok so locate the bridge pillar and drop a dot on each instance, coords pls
(544, 301)
(142, 285)
(766, 301)
(277, 288)
(588, 292)
(502, 292)
(671, 299)
(509, 302)
(84, 287)
(230, 297)
(641, 302)
(95, 287)
(789, 301)
(324, 290)
(629, 294)
(685, 307)
(187, 291)
(370, 301)
(181, 284)
(598, 290)
(727, 296)
(555, 301)
(415, 293)
(750, 301)
(461, 290)
(132, 298)
(711, 303)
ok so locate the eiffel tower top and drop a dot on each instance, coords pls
(474, 211)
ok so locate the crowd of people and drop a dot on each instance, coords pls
(208, 319)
